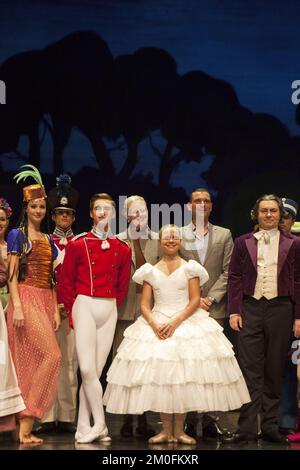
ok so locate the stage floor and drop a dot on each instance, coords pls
(57, 441)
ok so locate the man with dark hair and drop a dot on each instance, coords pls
(62, 200)
(288, 219)
(211, 246)
(288, 412)
(264, 308)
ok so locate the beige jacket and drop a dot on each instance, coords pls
(130, 308)
(216, 263)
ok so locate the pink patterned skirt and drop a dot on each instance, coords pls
(35, 352)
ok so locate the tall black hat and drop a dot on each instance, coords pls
(63, 196)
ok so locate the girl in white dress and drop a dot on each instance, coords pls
(174, 358)
(11, 401)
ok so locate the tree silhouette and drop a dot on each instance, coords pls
(70, 80)
(76, 83)
(199, 118)
(79, 83)
(23, 75)
(144, 91)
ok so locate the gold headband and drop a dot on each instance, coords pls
(34, 191)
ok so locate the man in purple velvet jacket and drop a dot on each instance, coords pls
(264, 307)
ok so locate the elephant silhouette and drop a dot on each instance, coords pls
(69, 80)
(144, 90)
(201, 113)
(23, 75)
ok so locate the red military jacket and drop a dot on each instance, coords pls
(57, 264)
(91, 271)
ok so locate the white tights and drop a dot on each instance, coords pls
(94, 321)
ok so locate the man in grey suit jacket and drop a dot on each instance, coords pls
(145, 248)
(211, 246)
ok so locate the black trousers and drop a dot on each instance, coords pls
(262, 347)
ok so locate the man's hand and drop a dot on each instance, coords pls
(205, 303)
(62, 311)
(56, 320)
(296, 328)
(236, 322)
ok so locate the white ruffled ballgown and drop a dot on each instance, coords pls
(11, 400)
(194, 370)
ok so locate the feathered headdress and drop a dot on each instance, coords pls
(63, 185)
(63, 196)
(33, 191)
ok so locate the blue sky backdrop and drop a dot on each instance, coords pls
(252, 45)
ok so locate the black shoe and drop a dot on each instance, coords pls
(126, 430)
(145, 431)
(287, 431)
(45, 428)
(213, 431)
(238, 438)
(275, 436)
(64, 426)
(191, 430)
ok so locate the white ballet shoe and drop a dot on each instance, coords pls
(80, 434)
(94, 434)
(105, 439)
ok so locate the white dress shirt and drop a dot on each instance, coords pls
(201, 243)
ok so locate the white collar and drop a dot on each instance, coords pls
(272, 233)
(196, 234)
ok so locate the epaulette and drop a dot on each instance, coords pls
(78, 236)
(124, 241)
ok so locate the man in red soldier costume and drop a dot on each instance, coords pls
(93, 283)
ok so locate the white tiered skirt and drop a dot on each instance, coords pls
(194, 370)
(11, 400)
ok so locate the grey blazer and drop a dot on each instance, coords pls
(216, 263)
(130, 308)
